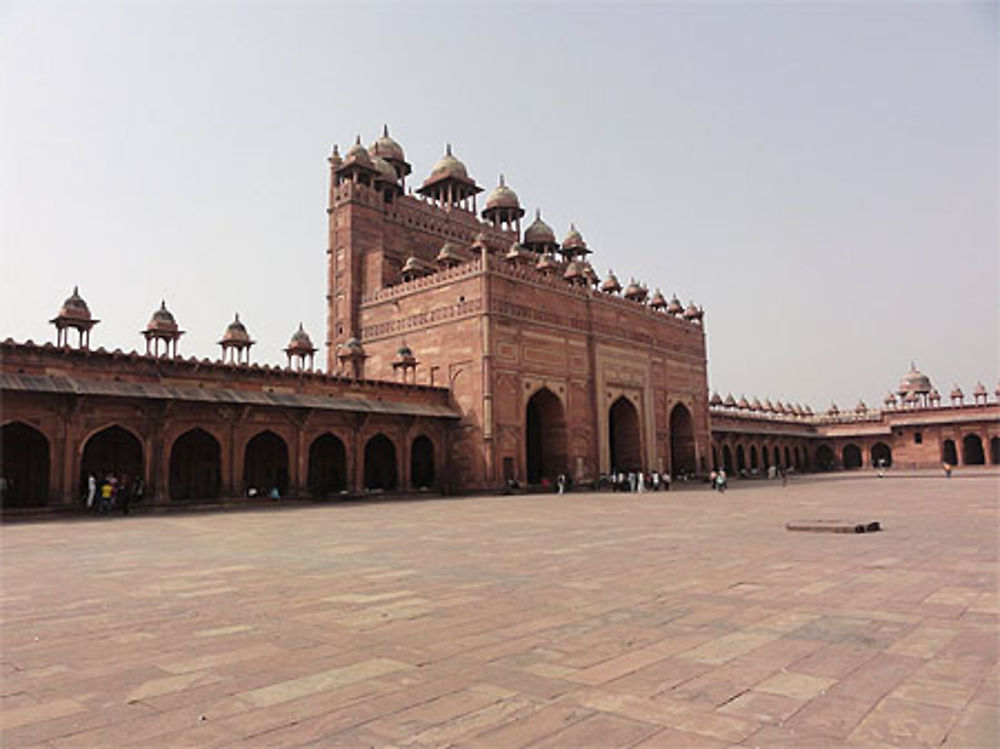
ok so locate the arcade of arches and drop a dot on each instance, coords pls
(197, 468)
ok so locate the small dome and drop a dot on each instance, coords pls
(539, 232)
(611, 285)
(386, 171)
(449, 166)
(575, 271)
(162, 321)
(914, 381)
(518, 253)
(832, 410)
(675, 307)
(412, 265)
(546, 263)
(729, 402)
(573, 241)
(691, 312)
(236, 332)
(657, 301)
(634, 291)
(502, 197)
(957, 392)
(756, 405)
(980, 390)
(715, 400)
(386, 147)
(861, 407)
(890, 399)
(74, 307)
(768, 406)
(935, 395)
(449, 254)
(301, 341)
(743, 403)
(357, 154)
(404, 352)
(592, 278)
(335, 161)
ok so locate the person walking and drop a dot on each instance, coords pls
(91, 490)
(561, 483)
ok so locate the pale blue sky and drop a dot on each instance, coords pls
(822, 177)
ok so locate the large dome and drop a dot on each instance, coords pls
(236, 332)
(539, 232)
(357, 154)
(502, 197)
(449, 166)
(386, 147)
(75, 307)
(915, 381)
(162, 320)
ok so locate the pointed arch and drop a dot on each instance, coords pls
(381, 472)
(265, 463)
(195, 466)
(545, 437)
(624, 436)
(422, 463)
(972, 450)
(327, 473)
(851, 455)
(26, 465)
(111, 451)
(682, 447)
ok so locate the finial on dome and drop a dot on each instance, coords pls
(538, 213)
(501, 181)
(357, 140)
(385, 131)
(76, 290)
(447, 148)
(163, 304)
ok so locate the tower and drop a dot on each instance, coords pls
(74, 313)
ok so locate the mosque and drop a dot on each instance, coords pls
(462, 354)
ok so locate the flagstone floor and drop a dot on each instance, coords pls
(681, 619)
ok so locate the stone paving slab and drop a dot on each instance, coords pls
(680, 619)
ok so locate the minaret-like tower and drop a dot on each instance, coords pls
(75, 314)
(300, 351)
(236, 343)
(503, 209)
(162, 327)
(450, 186)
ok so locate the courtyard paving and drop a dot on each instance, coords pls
(681, 619)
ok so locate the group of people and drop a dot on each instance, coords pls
(636, 481)
(112, 493)
(718, 480)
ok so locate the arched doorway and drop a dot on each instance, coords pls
(972, 450)
(113, 451)
(995, 451)
(195, 466)
(852, 456)
(624, 436)
(327, 466)
(949, 454)
(545, 441)
(741, 459)
(422, 463)
(25, 466)
(825, 460)
(765, 457)
(754, 465)
(881, 455)
(380, 464)
(265, 464)
(681, 440)
(727, 458)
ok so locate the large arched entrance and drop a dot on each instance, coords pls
(624, 436)
(949, 454)
(852, 456)
(825, 459)
(113, 451)
(327, 466)
(972, 450)
(25, 466)
(265, 464)
(881, 455)
(422, 463)
(995, 451)
(727, 458)
(545, 441)
(681, 441)
(195, 466)
(380, 464)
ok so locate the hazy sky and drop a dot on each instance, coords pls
(822, 177)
